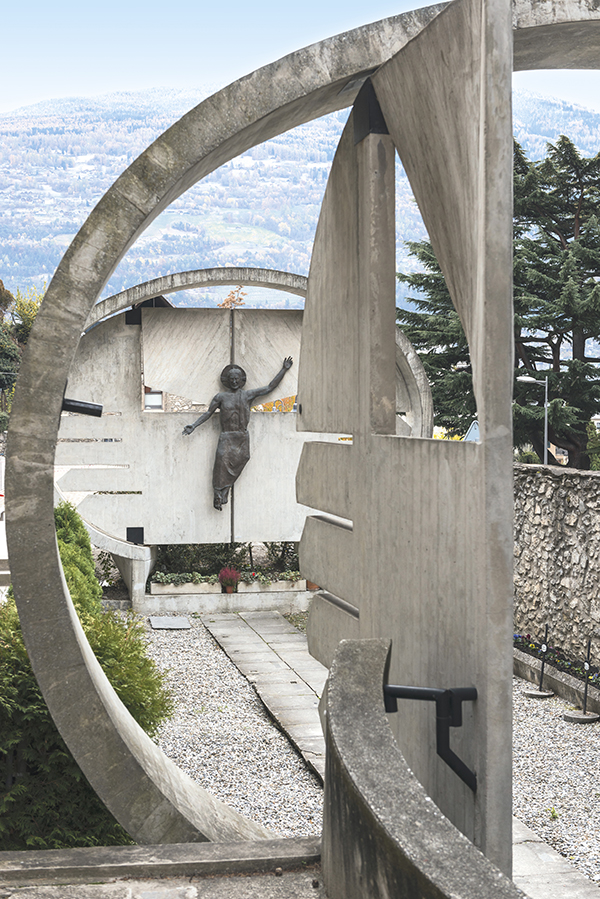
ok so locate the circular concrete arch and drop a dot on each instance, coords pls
(203, 277)
(152, 799)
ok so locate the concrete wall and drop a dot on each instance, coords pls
(164, 482)
(146, 474)
(557, 556)
(427, 552)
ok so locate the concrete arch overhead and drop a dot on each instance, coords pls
(150, 797)
(204, 277)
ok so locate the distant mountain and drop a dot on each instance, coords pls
(537, 120)
(57, 158)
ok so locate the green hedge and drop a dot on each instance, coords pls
(47, 802)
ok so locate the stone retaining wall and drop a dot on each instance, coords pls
(557, 556)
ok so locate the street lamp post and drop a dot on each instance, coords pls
(529, 380)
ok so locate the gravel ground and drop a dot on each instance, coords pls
(556, 788)
(222, 737)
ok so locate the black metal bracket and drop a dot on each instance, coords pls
(448, 713)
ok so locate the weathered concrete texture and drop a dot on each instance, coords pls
(557, 35)
(414, 403)
(206, 277)
(302, 86)
(557, 556)
(185, 350)
(208, 603)
(382, 834)
(296, 885)
(428, 559)
(187, 859)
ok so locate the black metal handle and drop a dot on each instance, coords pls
(448, 713)
(82, 408)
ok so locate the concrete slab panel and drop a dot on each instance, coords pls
(116, 385)
(185, 351)
(262, 338)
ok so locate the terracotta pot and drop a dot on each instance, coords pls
(229, 589)
(311, 586)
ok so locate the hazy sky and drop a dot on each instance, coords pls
(70, 48)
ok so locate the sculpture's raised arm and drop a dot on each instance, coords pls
(263, 391)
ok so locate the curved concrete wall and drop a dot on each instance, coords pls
(382, 834)
(206, 277)
(150, 798)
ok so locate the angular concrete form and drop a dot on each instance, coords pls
(382, 835)
(428, 559)
(149, 797)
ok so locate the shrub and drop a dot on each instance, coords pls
(205, 558)
(3, 421)
(283, 556)
(47, 802)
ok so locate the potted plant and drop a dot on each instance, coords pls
(229, 579)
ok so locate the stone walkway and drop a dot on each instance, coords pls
(274, 656)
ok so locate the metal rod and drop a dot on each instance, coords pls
(586, 668)
(82, 408)
(544, 651)
(448, 713)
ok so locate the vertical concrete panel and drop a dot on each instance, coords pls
(262, 338)
(431, 542)
(185, 351)
(265, 506)
(107, 368)
(328, 381)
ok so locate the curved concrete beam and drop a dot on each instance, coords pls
(382, 834)
(152, 799)
(204, 277)
(559, 34)
(413, 391)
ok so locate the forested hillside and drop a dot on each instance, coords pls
(57, 159)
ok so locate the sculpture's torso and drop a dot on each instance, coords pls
(235, 410)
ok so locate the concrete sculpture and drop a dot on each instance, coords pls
(233, 449)
(455, 97)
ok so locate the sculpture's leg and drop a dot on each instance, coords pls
(221, 497)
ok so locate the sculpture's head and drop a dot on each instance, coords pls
(233, 376)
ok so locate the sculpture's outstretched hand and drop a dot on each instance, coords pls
(187, 430)
(288, 362)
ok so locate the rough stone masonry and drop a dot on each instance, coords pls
(557, 556)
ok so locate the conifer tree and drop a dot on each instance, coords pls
(557, 308)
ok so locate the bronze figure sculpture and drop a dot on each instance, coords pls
(233, 449)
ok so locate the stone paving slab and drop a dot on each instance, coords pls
(542, 873)
(274, 657)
